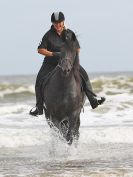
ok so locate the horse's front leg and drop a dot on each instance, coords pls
(73, 130)
(76, 129)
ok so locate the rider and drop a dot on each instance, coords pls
(50, 47)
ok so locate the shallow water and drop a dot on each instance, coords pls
(88, 159)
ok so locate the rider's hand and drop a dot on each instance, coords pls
(58, 54)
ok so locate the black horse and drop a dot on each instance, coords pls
(63, 96)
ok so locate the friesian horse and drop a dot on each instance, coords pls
(63, 95)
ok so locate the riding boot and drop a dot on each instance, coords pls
(92, 97)
(38, 110)
(87, 87)
(42, 75)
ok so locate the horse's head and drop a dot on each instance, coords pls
(68, 53)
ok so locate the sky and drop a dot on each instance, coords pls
(104, 29)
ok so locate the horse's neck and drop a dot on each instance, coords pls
(72, 78)
(64, 79)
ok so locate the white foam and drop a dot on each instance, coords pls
(12, 109)
(25, 130)
(103, 125)
(105, 135)
(97, 173)
(22, 137)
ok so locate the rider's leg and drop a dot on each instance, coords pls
(92, 97)
(44, 70)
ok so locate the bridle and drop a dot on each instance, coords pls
(61, 61)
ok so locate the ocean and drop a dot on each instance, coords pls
(29, 148)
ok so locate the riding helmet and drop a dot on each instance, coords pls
(57, 17)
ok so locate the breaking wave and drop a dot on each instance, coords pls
(14, 89)
(103, 84)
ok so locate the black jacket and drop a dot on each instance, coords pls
(54, 42)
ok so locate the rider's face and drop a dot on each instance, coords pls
(59, 26)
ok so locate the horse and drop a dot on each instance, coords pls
(63, 94)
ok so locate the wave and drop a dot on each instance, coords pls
(7, 89)
(13, 109)
(105, 84)
(113, 85)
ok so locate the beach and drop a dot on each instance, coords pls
(28, 147)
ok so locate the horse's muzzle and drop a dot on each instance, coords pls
(66, 71)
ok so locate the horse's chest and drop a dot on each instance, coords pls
(63, 99)
(63, 96)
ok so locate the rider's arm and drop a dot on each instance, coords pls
(45, 52)
(42, 48)
(78, 50)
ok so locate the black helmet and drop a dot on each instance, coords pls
(57, 17)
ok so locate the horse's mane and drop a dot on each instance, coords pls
(70, 44)
(76, 67)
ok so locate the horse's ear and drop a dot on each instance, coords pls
(73, 36)
(68, 35)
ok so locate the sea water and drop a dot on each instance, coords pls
(29, 148)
